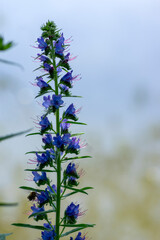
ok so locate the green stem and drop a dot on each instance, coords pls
(58, 198)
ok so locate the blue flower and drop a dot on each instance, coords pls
(48, 67)
(48, 235)
(47, 101)
(66, 58)
(64, 126)
(38, 210)
(70, 113)
(71, 170)
(71, 181)
(64, 89)
(78, 237)
(56, 101)
(42, 44)
(71, 213)
(60, 142)
(45, 124)
(42, 84)
(40, 179)
(67, 79)
(48, 141)
(44, 160)
(43, 58)
(59, 46)
(73, 146)
(43, 197)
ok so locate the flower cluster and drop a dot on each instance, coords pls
(58, 143)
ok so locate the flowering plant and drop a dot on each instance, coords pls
(60, 146)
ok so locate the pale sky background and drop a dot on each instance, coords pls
(118, 47)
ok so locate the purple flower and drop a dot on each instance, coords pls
(67, 79)
(47, 101)
(71, 213)
(72, 181)
(74, 146)
(64, 89)
(43, 58)
(66, 58)
(41, 83)
(45, 124)
(64, 126)
(42, 44)
(59, 46)
(48, 67)
(78, 237)
(47, 140)
(44, 160)
(43, 197)
(40, 179)
(56, 101)
(38, 210)
(60, 142)
(70, 113)
(71, 170)
(48, 235)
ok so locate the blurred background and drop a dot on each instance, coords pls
(117, 44)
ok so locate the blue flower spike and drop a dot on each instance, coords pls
(55, 172)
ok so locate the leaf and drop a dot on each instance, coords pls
(4, 235)
(43, 212)
(31, 189)
(5, 46)
(11, 63)
(78, 123)
(38, 170)
(30, 226)
(82, 225)
(8, 204)
(72, 158)
(72, 231)
(82, 190)
(76, 134)
(35, 152)
(13, 135)
(72, 96)
(36, 133)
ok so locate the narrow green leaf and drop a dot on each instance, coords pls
(35, 152)
(78, 123)
(72, 158)
(75, 189)
(68, 194)
(39, 213)
(31, 189)
(11, 63)
(72, 96)
(30, 226)
(76, 134)
(72, 231)
(41, 94)
(13, 135)
(37, 170)
(8, 204)
(78, 225)
(36, 133)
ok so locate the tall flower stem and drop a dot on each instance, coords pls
(58, 198)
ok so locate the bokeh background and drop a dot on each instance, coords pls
(117, 44)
